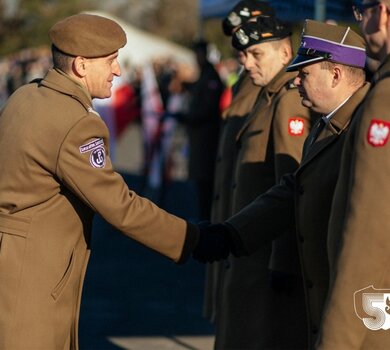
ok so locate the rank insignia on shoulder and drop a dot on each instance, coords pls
(91, 110)
(290, 84)
(378, 133)
(296, 126)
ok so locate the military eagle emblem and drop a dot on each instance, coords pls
(378, 133)
(296, 126)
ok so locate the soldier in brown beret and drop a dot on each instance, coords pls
(56, 173)
(357, 313)
(331, 81)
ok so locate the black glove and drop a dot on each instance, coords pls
(214, 243)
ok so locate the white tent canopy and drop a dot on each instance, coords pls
(144, 47)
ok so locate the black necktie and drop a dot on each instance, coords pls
(317, 130)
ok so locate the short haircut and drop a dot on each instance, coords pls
(277, 43)
(355, 75)
(61, 60)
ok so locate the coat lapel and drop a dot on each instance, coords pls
(264, 99)
(336, 126)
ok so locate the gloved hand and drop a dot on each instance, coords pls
(214, 243)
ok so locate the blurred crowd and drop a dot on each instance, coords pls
(21, 67)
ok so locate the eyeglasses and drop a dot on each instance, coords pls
(358, 10)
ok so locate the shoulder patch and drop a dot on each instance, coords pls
(378, 133)
(98, 157)
(296, 126)
(88, 147)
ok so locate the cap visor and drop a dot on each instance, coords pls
(301, 60)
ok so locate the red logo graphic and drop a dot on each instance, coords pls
(296, 126)
(378, 133)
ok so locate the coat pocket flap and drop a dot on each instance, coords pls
(14, 225)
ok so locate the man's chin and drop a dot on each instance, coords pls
(306, 103)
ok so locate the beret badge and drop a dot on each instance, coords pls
(255, 35)
(245, 12)
(234, 19)
(242, 37)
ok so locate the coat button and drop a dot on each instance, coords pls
(309, 284)
(217, 197)
(234, 186)
(300, 190)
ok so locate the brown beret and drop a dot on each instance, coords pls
(87, 36)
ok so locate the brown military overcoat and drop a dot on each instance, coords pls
(233, 119)
(247, 315)
(305, 198)
(56, 172)
(358, 236)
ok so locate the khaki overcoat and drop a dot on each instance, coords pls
(305, 198)
(247, 314)
(56, 172)
(233, 118)
(357, 312)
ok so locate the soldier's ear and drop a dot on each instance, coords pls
(79, 64)
(384, 15)
(338, 75)
(285, 52)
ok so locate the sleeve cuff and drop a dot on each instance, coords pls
(190, 242)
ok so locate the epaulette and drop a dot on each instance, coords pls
(290, 84)
(36, 81)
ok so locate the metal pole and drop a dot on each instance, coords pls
(320, 10)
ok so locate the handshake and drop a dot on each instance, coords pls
(215, 243)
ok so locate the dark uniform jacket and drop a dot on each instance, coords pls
(268, 145)
(203, 122)
(56, 172)
(305, 198)
(357, 312)
(233, 118)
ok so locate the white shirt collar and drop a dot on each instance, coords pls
(328, 117)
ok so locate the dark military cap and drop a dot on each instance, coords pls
(87, 36)
(243, 12)
(321, 41)
(262, 30)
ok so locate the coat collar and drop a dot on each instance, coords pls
(246, 91)
(382, 71)
(59, 81)
(279, 81)
(336, 126)
(341, 119)
(264, 99)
